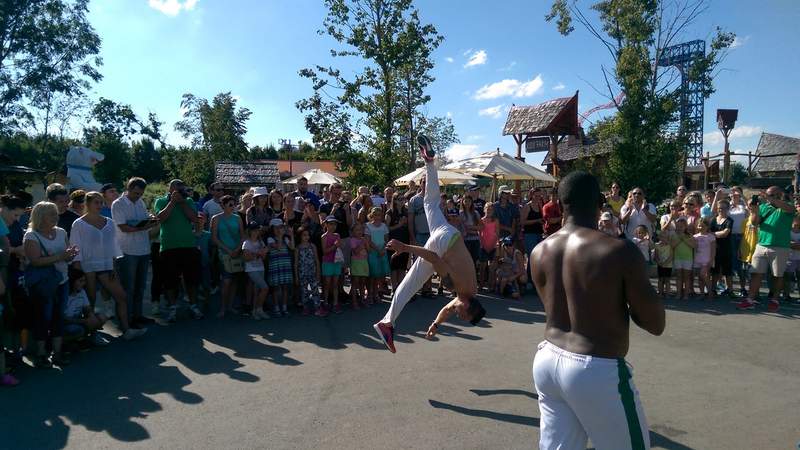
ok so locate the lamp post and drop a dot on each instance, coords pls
(726, 119)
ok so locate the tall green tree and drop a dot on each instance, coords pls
(359, 120)
(635, 33)
(47, 47)
(217, 127)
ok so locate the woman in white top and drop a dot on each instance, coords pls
(95, 235)
(739, 212)
(46, 245)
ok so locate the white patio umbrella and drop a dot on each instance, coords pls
(497, 164)
(445, 177)
(316, 177)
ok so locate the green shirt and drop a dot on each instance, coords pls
(682, 252)
(177, 231)
(775, 228)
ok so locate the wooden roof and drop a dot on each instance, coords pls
(558, 116)
(775, 144)
(569, 150)
(247, 173)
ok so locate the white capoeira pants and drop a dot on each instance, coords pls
(442, 234)
(582, 397)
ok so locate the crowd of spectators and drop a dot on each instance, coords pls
(270, 253)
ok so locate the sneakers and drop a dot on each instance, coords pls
(386, 333)
(8, 380)
(773, 305)
(425, 147)
(321, 311)
(60, 359)
(337, 309)
(745, 304)
(98, 340)
(195, 311)
(172, 316)
(42, 362)
(133, 333)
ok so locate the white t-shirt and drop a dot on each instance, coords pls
(125, 212)
(256, 265)
(795, 254)
(739, 215)
(377, 200)
(52, 247)
(637, 218)
(97, 249)
(73, 308)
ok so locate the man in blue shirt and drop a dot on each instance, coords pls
(507, 214)
(302, 191)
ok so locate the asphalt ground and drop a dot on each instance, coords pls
(716, 379)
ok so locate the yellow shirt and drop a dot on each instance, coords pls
(749, 241)
(616, 205)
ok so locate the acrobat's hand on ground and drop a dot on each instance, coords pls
(396, 246)
(432, 331)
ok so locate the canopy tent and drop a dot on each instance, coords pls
(315, 177)
(497, 164)
(445, 177)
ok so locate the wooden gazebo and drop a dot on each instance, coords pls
(237, 176)
(541, 127)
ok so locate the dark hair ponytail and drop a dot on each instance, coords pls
(11, 201)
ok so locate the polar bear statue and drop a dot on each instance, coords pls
(80, 162)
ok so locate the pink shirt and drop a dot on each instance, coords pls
(329, 240)
(702, 254)
(489, 235)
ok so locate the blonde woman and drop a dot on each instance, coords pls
(48, 252)
(95, 234)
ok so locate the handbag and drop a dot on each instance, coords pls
(231, 264)
(44, 280)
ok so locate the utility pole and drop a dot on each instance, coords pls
(726, 120)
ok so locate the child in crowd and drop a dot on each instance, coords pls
(331, 267)
(704, 257)
(663, 257)
(683, 257)
(254, 251)
(608, 225)
(203, 242)
(507, 278)
(643, 242)
(359, 266)
(307, 274)
(280, 266)
(486, 258)
(378, 234)
(790, 275)
(79, 317)
(508, 250)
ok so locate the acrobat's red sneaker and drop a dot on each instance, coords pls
(773, 305)
(386, 333)
(745, 304)
(426, 147)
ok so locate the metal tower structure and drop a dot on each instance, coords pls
(690, 111)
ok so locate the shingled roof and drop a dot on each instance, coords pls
(247, 173)
(774, 144)
(569, 150)
(537, 120)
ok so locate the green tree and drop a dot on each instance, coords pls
(217, 127)
(46, 47)
(635, 33)
(361, 124)
(739, 173)
(146, 160)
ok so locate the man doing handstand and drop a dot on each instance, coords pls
(443, 253)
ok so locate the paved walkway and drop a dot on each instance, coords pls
(717, 379)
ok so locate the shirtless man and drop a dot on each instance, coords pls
(592, 285)
(443, 253)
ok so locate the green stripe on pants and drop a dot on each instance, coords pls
(626, 393)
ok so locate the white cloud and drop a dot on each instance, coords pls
(476, 59)
(172, 7)
(508, 67)
(559, 87)
(467, 52)
(740, 131)
(739, 41)
(493, 111)
(449, 114)
(510, 87)
(474, 137)
(462, 151)
(449, 59)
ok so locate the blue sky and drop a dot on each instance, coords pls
(494, 54)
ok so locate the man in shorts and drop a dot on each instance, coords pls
(180, 257)
(443, 253)
(773, 217)
(592, 285)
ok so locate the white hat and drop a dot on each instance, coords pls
(259, 191)
(276, 223)
(504, 188)
(606, 216)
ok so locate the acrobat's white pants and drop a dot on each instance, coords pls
(582, 397)
(439, 241)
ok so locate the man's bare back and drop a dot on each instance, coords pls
(590, 284)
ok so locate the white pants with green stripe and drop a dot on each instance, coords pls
(583, 397)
